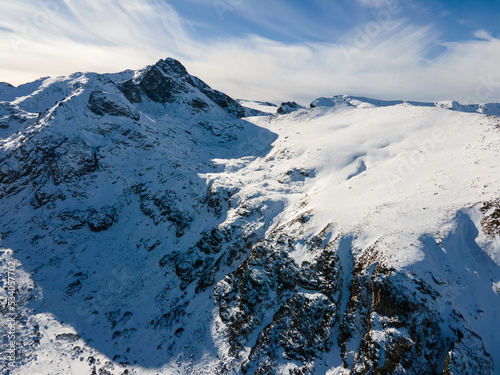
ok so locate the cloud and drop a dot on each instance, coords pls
(392, 65)
(375, 3)
(54, 37)
(71, 35)
(483, 34)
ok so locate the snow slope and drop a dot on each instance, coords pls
(153, 231)
(264, 107)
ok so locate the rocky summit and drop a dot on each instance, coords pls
(153, 225)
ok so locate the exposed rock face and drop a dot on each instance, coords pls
(46, 158)
(383, 323)
(491, 220)
(168, 80)
(288, 107)
(102, 103)
(102, 219)
(164, 81)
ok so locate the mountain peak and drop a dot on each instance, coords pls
(171, 66)
(168, 81)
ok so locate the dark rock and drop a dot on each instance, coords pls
(73, 287)
(45, 157)
(131, 91)
(288, 107)
(491, 218)
(101, 220)
(211, 241)
(218, 198)
(163, 207)
(179, 332)
(302, 328)
(161, 84)
(70, 337)
(172, 317)
(381, 302)
(189, 267)
(167, 81)
(73, 220)
(41, 198)
(222, 100)
(199, 103)
(103, 103)
(468, 356)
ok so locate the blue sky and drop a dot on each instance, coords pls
(267, 50)
(326, 21)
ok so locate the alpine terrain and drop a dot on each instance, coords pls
(153, 225)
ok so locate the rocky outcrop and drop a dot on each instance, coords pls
(295, 307)
(52, 158)
(168, 80)
(383, 320)
(164, 81)
(102, 103)
(288, 107)
(101, 220)
(491, 219)
(162, 208)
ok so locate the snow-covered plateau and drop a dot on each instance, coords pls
(153, 225)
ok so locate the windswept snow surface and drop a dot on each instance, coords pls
(264, 107)
(388, 174)
(130, 259)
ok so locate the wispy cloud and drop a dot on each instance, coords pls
(375, 3)
(483, 34)
(65, 36)
(115, 35)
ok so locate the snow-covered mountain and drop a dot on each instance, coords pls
(150, 226)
